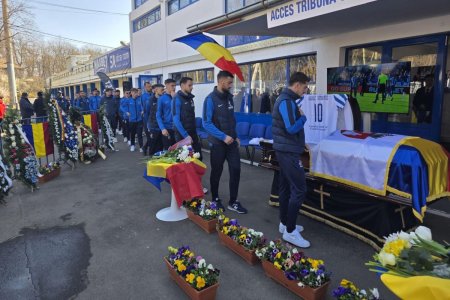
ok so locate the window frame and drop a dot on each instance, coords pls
(170, 2)
(243, 4)
(146, 16)
(205, 75)
(136, 5)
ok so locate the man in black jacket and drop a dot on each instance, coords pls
(39, 107)
(26, 109)
(111, 110)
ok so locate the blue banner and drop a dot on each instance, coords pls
(119, 59)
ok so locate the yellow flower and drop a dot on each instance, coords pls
(190, 278)
(172, 250)
(193, 204)
(177, 262)
(200, 282)
(242, 237)
(396, 247)
(278, 255)
(277, 265)
(225, 230)
(186, 253)
(302, 260)
(226, 220)
(181, 268)
(348, 284)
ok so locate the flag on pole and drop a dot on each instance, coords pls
(38, 135)
(213, 52)
(106, 80)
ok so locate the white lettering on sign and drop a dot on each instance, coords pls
(298, 10)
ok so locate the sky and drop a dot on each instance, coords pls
(97, 28)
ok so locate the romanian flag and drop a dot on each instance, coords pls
(213, 52)
(90, 121)
(39, 137)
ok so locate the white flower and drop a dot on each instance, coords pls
(210, 267)
(11, 131)
(185, 148)
(386, 258)
(424, 233)
(11, 126)
(375, 293)
(13, 144)
(22, 141)
(196, 155)
(13, 138)
(294, 250)
(201, 213)
(202, 263)
(272, 244)
(300, 284)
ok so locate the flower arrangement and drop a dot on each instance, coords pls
(55, 122)
(18, 150)
(193, 269)
(207, 210)
(248, 238)
(349, 291)
(5, 179)
(107, 131)
(412, 254)
(183, 154)
(70, 139)
(47, 169)
(89, 143)
(295, 264)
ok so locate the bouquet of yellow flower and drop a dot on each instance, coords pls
(207, 210)
(192, 268)
(349, 291)
(414, 266)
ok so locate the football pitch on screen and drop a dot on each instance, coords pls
(399, 103)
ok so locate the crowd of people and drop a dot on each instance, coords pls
(165, 116)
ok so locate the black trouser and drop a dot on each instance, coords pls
(381, 90)
(274, 191)
(230, 153)
(136, 128)
(113, 122)
(125, 128)
(155, 143)
(195, 141)
(147, 135)
(292, 183)
(169, 140)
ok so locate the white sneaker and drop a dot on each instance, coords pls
(141, 150)
(296, 239)
(115, 140)
(282, 228)
(205, 190)
(132, 148)
(129, 143)
(125, 140)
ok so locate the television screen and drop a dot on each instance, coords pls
(382, 88)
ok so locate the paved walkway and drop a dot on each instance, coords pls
(92, 233)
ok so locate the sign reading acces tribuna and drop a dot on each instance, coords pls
(298, 10)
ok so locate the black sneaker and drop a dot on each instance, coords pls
(237, 207)
(219, 204)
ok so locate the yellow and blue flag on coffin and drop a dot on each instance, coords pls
(38, 135)
(213, 52)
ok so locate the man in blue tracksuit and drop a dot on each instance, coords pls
(94, 101)
(164, 114)
(220, 123)
(124, 103)
(145, 104)
(83, 103)
(183, 111)
(118, 119)
(111, 110)
(63, 102)
(288, 123)
(135, 112)
(155, 142)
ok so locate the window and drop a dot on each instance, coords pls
(232, 5)
(236, 40)
(198, 76)
(263, 82)
(364, 56)
(148, 19)
(176, 5)
(138, 3)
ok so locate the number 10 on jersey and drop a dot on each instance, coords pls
(318, 113)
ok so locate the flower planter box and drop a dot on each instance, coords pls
(206, 294)
(249, 256)
(52, 175)
(208, 226)
(305, 292)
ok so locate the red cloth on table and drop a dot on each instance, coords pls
(186, 181)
